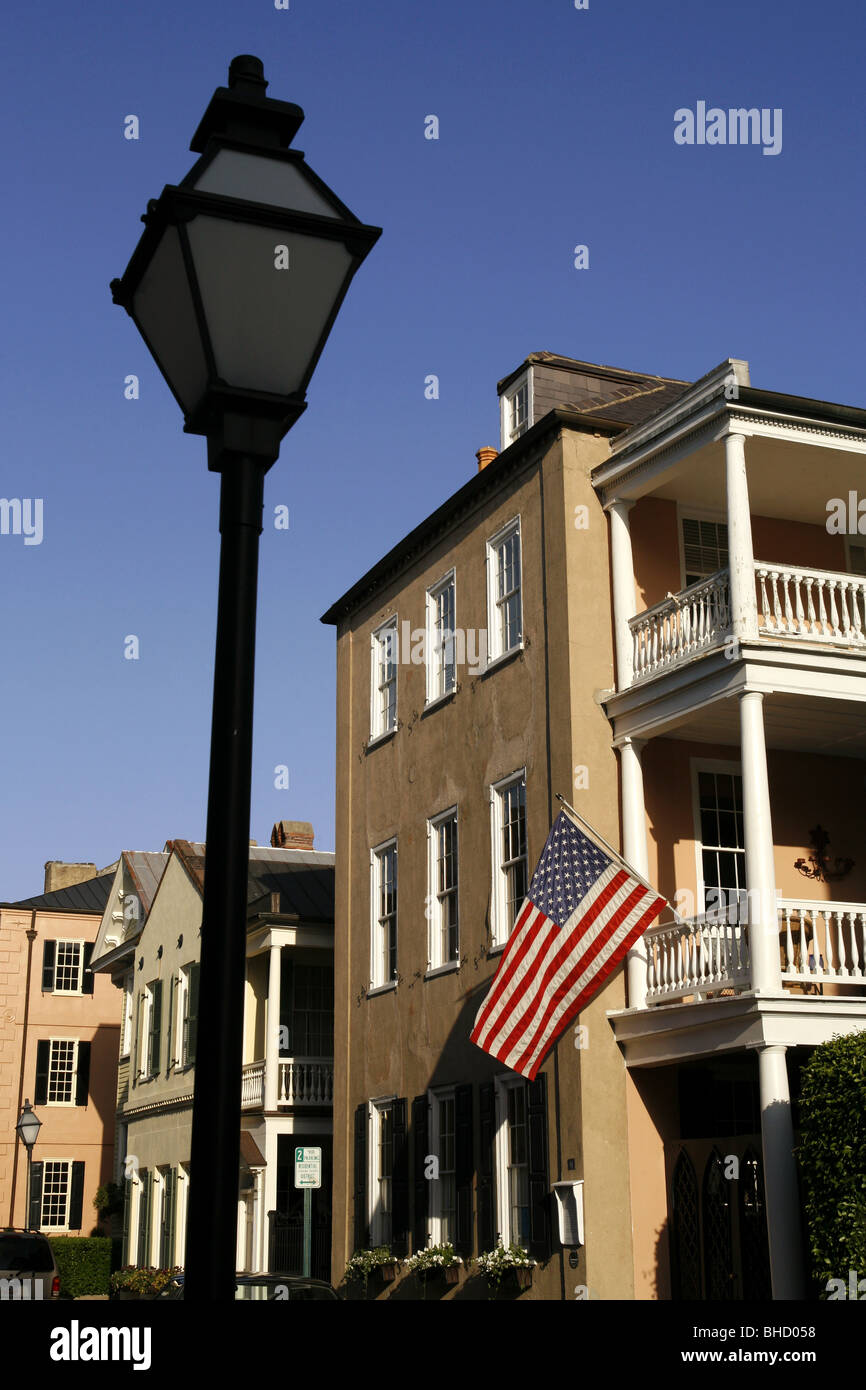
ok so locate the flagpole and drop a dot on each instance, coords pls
(616, 855)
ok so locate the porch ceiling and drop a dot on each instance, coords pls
(791, 481)
(836, 727)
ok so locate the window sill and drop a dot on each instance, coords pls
(448, 968)
(438, 701)
(495, 662)
(381, 989)
(497, 949)
(380, 738)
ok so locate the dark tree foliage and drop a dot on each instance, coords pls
(833, 1156)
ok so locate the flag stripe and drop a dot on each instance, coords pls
(520, 1016)
(605, 954)
(519, 943)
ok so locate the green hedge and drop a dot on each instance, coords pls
(84, 1263)
(833, 1156)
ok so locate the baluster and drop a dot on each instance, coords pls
(777, 603)
(822, 616)
(797, 581)
(828, 952)
(789, 612)
(854, 590)
(763, 616)
(846, 617)
(789, 943)
(833, 585)
(810, 614)
(858, 948)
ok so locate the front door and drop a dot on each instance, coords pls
(717, 1219)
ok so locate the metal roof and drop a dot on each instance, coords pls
(90, 896)
(303, 878)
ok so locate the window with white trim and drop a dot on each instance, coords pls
(383, 965)
(441, 667)
(510, 863)
(67, 967)
(705, 548)
(62, 1069)
(126, 1028)
(187, 1013)
(512, 1159)
(56, 1184)
(516, 410)
(504, 598)
(383, 666)
(381, 1170)
(722, 842)
(442, 1219)
(442, 896)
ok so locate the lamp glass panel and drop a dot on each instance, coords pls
(28, 1127)
(264, 322)
(258, 179)
(163, 309)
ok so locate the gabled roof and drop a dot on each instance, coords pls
(303, 879)
(89, 896)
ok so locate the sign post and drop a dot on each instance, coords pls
(308, 1174)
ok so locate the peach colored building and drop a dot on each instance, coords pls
(643, 603)
(59, 1032)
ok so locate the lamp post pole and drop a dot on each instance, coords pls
(215, 1153)
(235, 285)
(27, 1129)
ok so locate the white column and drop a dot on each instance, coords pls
(741, 559)
(272, 1044)
(763, 914)
(780, 1177)
(624, 602)
(634, 850)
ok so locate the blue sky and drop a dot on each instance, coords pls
(556, 128)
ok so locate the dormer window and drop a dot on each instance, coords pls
(516, 410)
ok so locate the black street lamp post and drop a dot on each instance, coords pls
(234, 286)
(27, 1128)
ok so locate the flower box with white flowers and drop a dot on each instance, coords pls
(435, 1262)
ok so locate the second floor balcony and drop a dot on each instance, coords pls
(301, 1081)
(800, 606)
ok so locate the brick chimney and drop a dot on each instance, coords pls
(486, 456)
(292, 834)
(58, 874)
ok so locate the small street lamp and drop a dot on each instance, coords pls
(234, 286)
(27, 1129)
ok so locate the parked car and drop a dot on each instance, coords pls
(28, 1269)
(268, 1288)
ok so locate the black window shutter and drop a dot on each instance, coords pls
(86, 972)
(400, 1181)
(49, 952)
(35, 1222)
(361, 1231)
(155, 1028)
(82, 1078)
(539, 1183)
(420, 1142)
(76, 1196)
(486, 1221)
(463, 1168)
(172, 1028)
(43, 1061)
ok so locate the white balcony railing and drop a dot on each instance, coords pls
(300, 1081)
(814, 605)
(806, 605)
(681, 625)
(696, 957)
(820, 943)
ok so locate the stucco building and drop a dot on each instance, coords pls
(59, 1051)
(150, 945)
(586, 616)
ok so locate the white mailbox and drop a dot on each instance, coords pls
(569, 1205)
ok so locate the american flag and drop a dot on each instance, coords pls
(584, 911)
